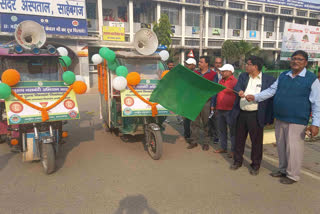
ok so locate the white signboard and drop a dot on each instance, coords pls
(300, 37)
(57, 8)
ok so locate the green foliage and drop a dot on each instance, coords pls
(238, 51)
(163, 30)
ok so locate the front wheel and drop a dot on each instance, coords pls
(154, 141)
(48, 159)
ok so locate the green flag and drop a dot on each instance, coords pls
(184, 92)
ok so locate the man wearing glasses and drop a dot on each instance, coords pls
(296, 94)
(251, 117)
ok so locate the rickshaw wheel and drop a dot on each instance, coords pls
(154, 142)
(48, 159)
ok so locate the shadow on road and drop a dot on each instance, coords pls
(79, 131)
(4, 159)
(136, 204)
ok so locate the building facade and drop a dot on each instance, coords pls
(260, 22)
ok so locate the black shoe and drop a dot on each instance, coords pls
(277, 174)
(205, 147)
(286, 180)
(235, 166)
(254, 172)
(192, 145)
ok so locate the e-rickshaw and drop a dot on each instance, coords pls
(123, 112)
(31, 117)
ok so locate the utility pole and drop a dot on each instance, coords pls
(201, 27)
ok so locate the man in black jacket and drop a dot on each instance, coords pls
(251, 117)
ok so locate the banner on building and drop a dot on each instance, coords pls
(300, 37)
(133, 106)
(269, 35)
(82, 49)
(195, 30)
(293, 3)
(75, 9)
(216, 31)
(253, 34)
(42, 94)
(114, 32)
(236, 33)
(52, 25)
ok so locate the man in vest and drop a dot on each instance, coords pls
(296, 94)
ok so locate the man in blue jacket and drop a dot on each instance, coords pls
(251, 117)
(296, 94)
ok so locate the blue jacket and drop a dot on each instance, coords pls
(265, 108)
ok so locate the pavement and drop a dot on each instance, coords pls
(311, 161)
(97, 173)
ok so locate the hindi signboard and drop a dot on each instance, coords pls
(300, 37)
(132, 106)
(114, 32)
(42, 94)
(75, 9)
(66, 17)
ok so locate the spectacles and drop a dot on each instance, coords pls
(297, 59)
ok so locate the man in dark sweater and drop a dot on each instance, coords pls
(296, 95)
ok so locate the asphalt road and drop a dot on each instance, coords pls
(98, 173)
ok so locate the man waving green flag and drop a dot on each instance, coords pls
(184, 92)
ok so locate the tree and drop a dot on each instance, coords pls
(163, 31)
(238, 51)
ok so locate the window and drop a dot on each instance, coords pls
(268, 45)
(271, 10)
(254, 7)
(235, 21)
(216, 3)
(253, 23)
(235, 5)
(193, 1)
(301, 13)
(314, 15)
(301, 21)
(172, 13)
(314, 23)
(282, 21)
(215, 43)
(286, 11)
(192, 17)
(269, 24)
(175, 0)
(215, 20)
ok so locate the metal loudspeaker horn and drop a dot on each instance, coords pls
(30, 34)
(145, 41)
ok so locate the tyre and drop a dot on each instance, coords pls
(48, 158)
(154, 142)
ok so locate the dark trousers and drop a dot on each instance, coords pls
(186, 126)
(213, 127)
(222, 116)
(248, 123)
